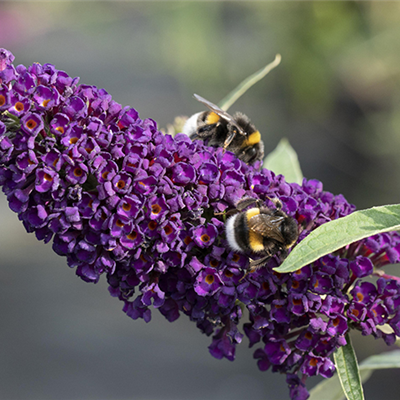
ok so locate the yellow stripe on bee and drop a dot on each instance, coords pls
(251, 213)
(253, 139)
(212, 118)
(256, 241)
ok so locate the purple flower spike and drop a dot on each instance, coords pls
(121, 199)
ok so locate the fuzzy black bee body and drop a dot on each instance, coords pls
(261, 230)
(234, 133)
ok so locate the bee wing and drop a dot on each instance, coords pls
(267, 226)
(223, 114)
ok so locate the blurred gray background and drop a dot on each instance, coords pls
(335, 96)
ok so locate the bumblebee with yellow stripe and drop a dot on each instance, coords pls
(260, 230)
(234, 133)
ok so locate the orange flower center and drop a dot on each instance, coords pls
(205, 238)
(187, 240)
(19, 106)
(210, 279)
(295, 284)
(78, 172)
(152, 225)
(355, 312)
(167, 230)
(214, 263)
(297, 302)
(155, 209)
(132, 235)
(126, 207)
(313, 362)
(235, 258)
(31, 124)
(121, 184)
(48, 177)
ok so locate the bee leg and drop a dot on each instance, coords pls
(240, 206)
(227, 213)
(244, 203)
(284, 253)
(229, 138)
(255, 264)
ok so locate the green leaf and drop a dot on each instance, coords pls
(283, 160)
(336, 234)
(347, 369)
(390, 359)
(329, 389)
(244, 86)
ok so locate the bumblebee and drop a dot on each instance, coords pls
(235, 133)
(260, 230)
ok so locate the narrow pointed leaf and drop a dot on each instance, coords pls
(330, 389)
(347, 369)
(244, 86)
(283, 160)
(390, 359)
(341, 232)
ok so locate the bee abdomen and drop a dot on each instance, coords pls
(240, 237)
(237, 232)
(190, 127)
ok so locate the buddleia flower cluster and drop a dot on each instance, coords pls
(117, 197)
